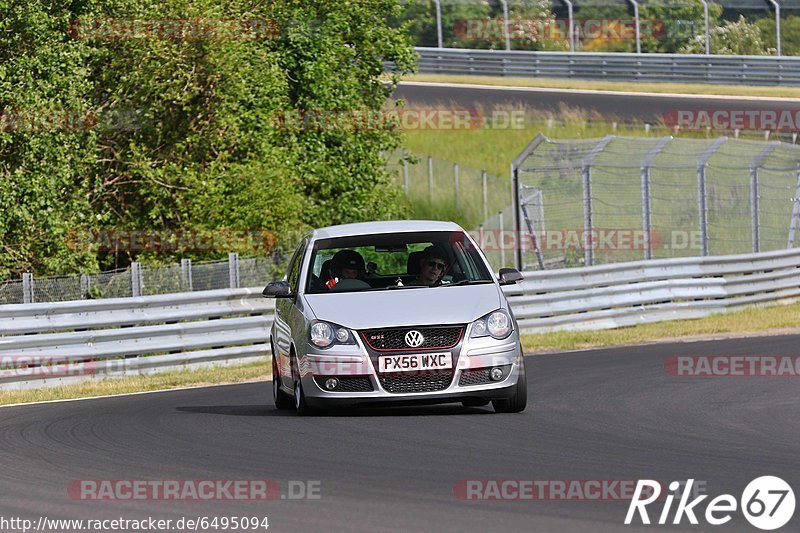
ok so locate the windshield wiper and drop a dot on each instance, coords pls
(467, 282)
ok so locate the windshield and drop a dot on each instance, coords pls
(395, 261)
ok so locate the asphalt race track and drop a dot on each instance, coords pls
(609, 414)
(625, 107)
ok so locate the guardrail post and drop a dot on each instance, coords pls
(485, 197)
(754, 218)
(455, 178)
(405, 171)
(233, 270)
(136, 279)
(430, 180)
(795, 223)
(439, 23)
(27, 288)
(703, 209)
(646, 213)
(588, 242)
(186, 273)
(84, 286)
(506, 35)
(638, 32)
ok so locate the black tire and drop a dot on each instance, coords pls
(282, 400)
(519, 400)
(299, 398)
(300, 404)
(474, 402)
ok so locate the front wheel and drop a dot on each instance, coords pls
(519, 400)
(282, 400)
(300, 404)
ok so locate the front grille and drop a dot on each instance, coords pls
(479, 376)
(347, 384)
(428, 381)
(388, 339)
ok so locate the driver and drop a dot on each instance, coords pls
(432, 266)
(347, 264)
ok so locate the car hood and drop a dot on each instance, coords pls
(406, 307)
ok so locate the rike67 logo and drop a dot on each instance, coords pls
(767, 502)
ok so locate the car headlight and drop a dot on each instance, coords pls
(324, 334)
(497, 324)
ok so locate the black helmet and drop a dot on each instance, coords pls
(349, 259)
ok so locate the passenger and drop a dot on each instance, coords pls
(347, 264)
(432, 266)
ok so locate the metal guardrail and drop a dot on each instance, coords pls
(625, 294)
(681, 68)
(76, 341)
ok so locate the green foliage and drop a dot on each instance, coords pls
(672, 26)
(478, 24)
(186, 135)
(732, 38)
(790, 34)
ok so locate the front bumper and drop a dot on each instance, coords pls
(471, 361)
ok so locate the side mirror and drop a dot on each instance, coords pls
(509, 276)
(278, 289)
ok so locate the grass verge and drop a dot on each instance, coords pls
(168, 380)
(756, 320)
(643, 87)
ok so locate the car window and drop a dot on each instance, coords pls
(293, 273)
(385, 261)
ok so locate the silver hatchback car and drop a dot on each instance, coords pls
(399, 312)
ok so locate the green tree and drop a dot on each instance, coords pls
(732, 38)
(187, 135)
(790, 34)
(668, 26)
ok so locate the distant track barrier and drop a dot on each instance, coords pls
(676, 68)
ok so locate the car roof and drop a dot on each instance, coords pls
(386, 226)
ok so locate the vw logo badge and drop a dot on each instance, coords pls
(414, 339)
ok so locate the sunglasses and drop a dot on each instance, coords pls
(437, 265)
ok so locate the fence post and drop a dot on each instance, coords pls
(84, 286)
(455, 177)
(588, 242)
(27, 288)
(795, 223)
(136, 279)
(754, 217)
(430, 180)
(233, 269)
(405, 171)
(186, 273)
(485, 197)
(703, 208)
(438, 22)
(646, 213)
(501, 242)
